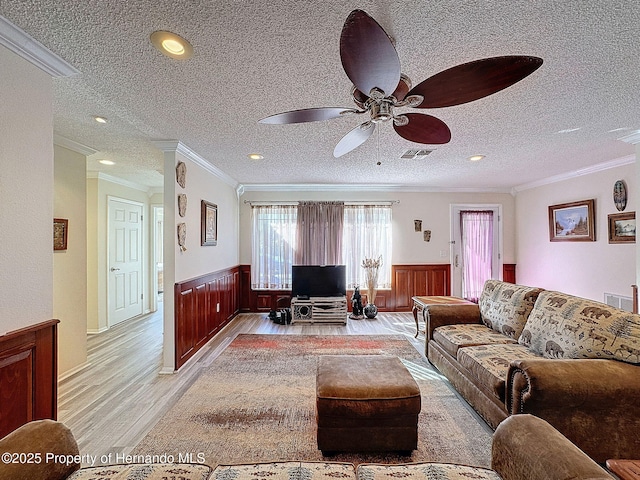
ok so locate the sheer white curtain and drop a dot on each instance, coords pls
(319, 240)
(273, 245)
(367, 234)
(476, 227)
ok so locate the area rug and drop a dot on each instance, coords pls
(256, 403)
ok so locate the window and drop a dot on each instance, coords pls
(366, 234)
(273, 246)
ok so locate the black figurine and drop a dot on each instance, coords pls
(356, 303)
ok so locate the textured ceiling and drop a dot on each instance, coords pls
(253, 59)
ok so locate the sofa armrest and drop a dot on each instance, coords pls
(592, 402)
(40, 440)
(439, 315)
(528, 448)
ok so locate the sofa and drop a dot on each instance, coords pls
(524, 447)
(569, 360)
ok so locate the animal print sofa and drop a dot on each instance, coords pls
(569, 360)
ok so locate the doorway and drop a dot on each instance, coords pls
(125, 260)
(464, 248)
(157, 248)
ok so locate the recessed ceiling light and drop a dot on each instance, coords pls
(107, 162)
(172, 45)
(255, 156)
(100, 119)
(475, 158)
(568, 130)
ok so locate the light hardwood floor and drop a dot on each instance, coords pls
(112, 403)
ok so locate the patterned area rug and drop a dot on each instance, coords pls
(256, 403)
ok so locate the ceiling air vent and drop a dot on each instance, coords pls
(415, 154)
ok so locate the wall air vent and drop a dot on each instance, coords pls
(415, 154)
(619, 301)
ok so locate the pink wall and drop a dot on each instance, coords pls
(586, 269)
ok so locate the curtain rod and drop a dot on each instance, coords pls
(354, 202)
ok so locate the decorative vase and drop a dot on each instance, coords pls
(370, 311)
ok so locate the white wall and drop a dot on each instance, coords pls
(70, 265)
(26, 194)
(586, 269)
(433, 208)
(196, 260)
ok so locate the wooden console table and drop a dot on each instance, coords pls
(319, 310)
(421, 304)
(625, 469)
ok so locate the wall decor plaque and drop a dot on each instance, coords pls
(182, 236)
(620, 195)
(182, 204)
(181, 174)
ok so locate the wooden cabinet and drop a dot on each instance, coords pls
(419, 280)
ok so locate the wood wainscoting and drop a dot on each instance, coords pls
(204, 305)
(28, 375)
(406, 281)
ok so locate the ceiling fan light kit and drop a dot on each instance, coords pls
(371, 63)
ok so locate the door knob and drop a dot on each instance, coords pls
(114, 269)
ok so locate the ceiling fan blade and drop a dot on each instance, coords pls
(368, 57)
(424, 129)
(474, 80)
(307, 115)
(354, 138)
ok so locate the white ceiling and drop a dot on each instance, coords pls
(253, 59)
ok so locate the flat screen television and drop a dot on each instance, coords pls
(318, 281)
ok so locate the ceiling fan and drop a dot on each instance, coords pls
(371, 62)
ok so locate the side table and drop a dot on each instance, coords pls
(421, 304)
(625, 469)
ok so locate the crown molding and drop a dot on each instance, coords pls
(73, 145)
(633, 138)
(283, 187)
(119, 181)
(26, 47)
(182, 149)
(599, 167)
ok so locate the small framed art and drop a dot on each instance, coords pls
(622, 227)
(60, 233)
(209, 220)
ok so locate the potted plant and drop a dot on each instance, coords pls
(372, 267)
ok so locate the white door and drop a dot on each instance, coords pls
(125, 260)
(456, 244)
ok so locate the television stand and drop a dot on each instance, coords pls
(319, 310)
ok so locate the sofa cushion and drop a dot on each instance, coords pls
(150, 471)
(424, 471)
(565, 326)
(453, 337)
(286, 471)
(505, 307)
(489, 364)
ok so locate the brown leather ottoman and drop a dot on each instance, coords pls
(366, 403)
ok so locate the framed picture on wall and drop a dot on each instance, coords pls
(572, 222)
(60, 233)
(622, 227)
(209, 220)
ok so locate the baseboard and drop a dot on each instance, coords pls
(73, 371)
(91, 331)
